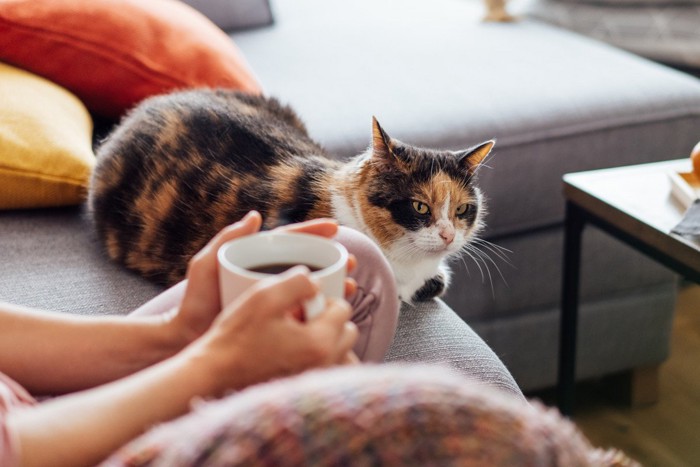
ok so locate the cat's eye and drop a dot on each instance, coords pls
(421, 208)
(461, 209)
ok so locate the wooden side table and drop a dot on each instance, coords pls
(633, 204)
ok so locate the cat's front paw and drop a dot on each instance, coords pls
(433, 287)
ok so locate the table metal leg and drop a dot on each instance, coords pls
(569, 308)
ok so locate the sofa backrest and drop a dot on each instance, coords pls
(234, 15)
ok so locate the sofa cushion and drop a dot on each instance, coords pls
(435, 81)
(114, 53)
(232, 15)
(614, 335)
(45, 142)
(53, 260)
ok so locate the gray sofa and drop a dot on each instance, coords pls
(434, 75)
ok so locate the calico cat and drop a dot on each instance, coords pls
(182, 166)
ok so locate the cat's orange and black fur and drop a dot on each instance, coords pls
(180, 167)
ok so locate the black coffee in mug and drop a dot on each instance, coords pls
(278, 268)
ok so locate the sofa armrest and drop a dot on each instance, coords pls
(430, 332)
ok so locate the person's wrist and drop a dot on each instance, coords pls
(217, 371)
(197, 365)
(169, 334)
(182, 331)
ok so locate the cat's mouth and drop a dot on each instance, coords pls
(438, 250)
(433, 249)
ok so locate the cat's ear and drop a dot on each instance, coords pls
(471, 158)
(382, 147)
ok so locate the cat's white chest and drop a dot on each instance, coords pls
(411, 276)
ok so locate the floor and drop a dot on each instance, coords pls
(666, 433)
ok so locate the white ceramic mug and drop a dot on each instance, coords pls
(238, 257)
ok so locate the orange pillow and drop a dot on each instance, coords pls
(114, 53)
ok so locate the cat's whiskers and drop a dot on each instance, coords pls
(468, 252)
(497, 250)
(484, 256)
(499, 247)
(404, 252)
(464, 262)
(479, 256)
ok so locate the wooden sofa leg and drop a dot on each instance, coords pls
(644, 385)
(637, 387)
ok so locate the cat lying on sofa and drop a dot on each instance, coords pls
(182, 166)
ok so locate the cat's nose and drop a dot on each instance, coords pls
(447, 236)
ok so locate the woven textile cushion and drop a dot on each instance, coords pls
(45, 142)
(369, 415)
(114, 53)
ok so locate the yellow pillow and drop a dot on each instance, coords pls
(45, 142)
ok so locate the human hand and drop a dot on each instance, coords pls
(201, 302)
(261, 335)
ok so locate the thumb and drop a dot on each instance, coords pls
(203, 266)
(202, 293)
(250, 224)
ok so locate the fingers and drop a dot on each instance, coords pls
(324, 340)
(281, 293)
(333, 327)
(350, 359)
(337, 313)
(322, 227)
(352, 262)
(350, 287)
(347, 340)
(203, 264)
(202, 291)
(250, 224)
